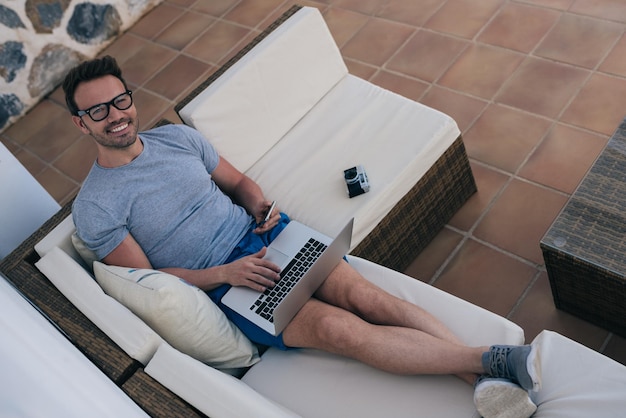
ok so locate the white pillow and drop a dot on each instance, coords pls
(180, 313)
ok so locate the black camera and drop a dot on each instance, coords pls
(356, 180)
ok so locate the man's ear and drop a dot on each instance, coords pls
(78, 121)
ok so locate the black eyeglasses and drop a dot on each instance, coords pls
(101, 111)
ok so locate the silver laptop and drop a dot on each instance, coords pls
(306, 257)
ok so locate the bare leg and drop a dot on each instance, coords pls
(357, 319)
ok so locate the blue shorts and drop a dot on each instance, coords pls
(251, 243)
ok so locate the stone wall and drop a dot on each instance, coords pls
(41, 39)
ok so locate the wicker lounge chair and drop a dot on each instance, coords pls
(415, 216)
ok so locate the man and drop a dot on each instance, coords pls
(165, 199)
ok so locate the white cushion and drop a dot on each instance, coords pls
(214, 393)
(317, 384)
(475, 326)
(350, 388)
(250, 107)
(578, 381)
(61, 237)
(129, 332)
(396, 140)
(181, 313)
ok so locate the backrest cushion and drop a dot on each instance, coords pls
(61, 237)
(249, 108)
(65, 238)
(180, 313)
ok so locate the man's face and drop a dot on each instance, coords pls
(119, 129)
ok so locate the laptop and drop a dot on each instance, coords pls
(306, 257)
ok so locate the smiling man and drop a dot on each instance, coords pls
(117, 143)
(165, 199)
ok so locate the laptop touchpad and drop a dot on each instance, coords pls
(276, 257)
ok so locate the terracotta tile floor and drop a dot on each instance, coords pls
(536, 86)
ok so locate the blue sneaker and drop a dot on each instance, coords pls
(520, 364)
(501, 398)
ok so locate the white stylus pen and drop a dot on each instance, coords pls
(269, 213)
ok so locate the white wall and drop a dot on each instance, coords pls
(24, 204)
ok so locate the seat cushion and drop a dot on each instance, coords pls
(479, 326)
(347, 388)
(350, 388)
(395, 139)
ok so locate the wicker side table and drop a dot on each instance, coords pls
(585, 248)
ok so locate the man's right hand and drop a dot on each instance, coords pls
(251, 271)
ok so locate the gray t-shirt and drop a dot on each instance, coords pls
(166, 200)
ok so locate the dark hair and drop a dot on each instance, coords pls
(87, 71)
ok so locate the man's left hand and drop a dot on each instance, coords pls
(271, 222)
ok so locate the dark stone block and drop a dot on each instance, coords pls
(93, 24)
(9, 18)
(46, 15)
(10, 105)
(12, 59)
(50, 14)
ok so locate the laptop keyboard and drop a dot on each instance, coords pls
(289, 276)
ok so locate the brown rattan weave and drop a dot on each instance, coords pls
(155, 399)
(585, 248)
(420, 215)
(422, 212)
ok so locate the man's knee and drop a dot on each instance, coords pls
(367, 300)
(354, 292)
(326, 327)
(340, 333)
